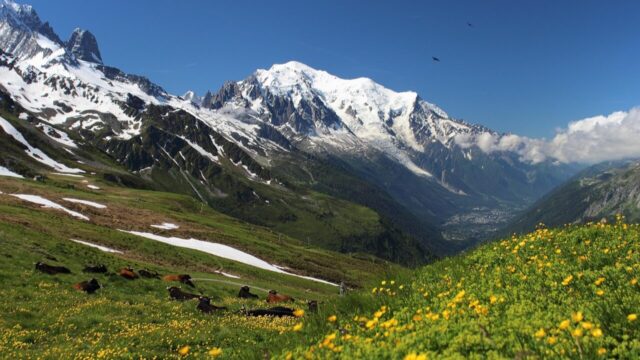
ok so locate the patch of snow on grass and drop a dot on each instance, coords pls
(71, 175)
(228, 275)
(48, 204)
(220, 250)
(99, 247)
(166, 226)
(93, 187)
(85, 202)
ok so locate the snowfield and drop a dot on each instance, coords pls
(220, 250)
(166, 226)
(6, 172)
(99, 247)
(85, 202)
(35, 153)
(48, 204)
(57, 135)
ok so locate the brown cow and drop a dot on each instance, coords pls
(185, 279)
(273, 297)
(128, 273)
(52, 270)
(177, 294)
(205, 306)
(89, 287)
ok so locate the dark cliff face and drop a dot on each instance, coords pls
(84, 46)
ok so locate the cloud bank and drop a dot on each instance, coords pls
(591, 140)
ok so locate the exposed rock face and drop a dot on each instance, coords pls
(84, 46)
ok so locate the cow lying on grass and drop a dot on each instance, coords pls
(149, 274)
(98, 269)
(185, 279)
(205, 305)
(89, 287)
(273, 297)
(278, 311)
(177, 294)
(52, 270)
(128, 273)
(245, 293)
(313, 306)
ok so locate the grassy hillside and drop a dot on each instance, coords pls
(554, 293)
(44, 317)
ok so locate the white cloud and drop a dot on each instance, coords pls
(591, 140)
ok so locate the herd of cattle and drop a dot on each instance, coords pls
(176, 293)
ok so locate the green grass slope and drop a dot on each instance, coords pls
(563, 293)
(44, 317)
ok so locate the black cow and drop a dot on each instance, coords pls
(205, 306)
(149, 274)
(177, 294)
(278, 311)
(52, 270)
(89, 287)
(98, 269)
(245, 293)
(313, 306)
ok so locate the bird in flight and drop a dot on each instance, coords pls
(469, 24)
(435, 59)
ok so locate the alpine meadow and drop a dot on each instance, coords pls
(289, 206)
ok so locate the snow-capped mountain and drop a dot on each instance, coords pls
(274, 128)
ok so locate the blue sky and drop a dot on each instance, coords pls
(524, 67)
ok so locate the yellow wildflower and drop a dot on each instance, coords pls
(586, 325)
(414, 356)
(602, 351)
(599, 281)
(184, 351)
(564, 325)
(332, 318)
(577, 316)
(567, 280)
(298, 313)
(599, 292)
(577, 332)
(596, 332)
(297, 327)
(632, 317)
(215, 352)
(540, 333)
(552, 340)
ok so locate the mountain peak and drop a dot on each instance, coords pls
(84, 46)
(193, 97)
(18, 8)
